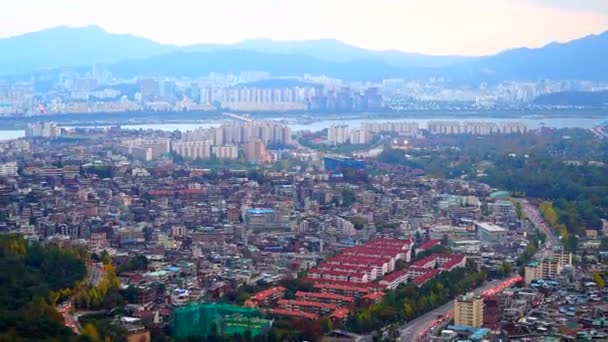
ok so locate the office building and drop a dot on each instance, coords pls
(490, 233)
(264, 219)
(468, 310)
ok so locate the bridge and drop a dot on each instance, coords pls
(238, 117)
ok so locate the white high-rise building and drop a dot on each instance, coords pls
(43, 130)
(338, 134)
(200, 149)
(8, 169)
(225, 152)
(359, 137)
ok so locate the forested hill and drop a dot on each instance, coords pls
(33, 278)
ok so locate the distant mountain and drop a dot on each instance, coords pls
(69, 47)
(581, 59)
(190, 64)
(337, 51)
(126, 55)
(574, 98)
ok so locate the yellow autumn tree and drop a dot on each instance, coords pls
(90, 331)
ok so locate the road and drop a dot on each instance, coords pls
(96, 273)
(70, 322)
(410, 330)
(539, 222)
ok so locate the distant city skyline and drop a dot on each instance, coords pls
(440, 27)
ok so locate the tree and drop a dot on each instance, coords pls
(348, 197)
(571, 243)
(326, 324)
(549, 213)
(106, 258)
(599, 280)
(408, 310)
(520, 212)
(90, 331)
(604, 243)
(505, 268)
(359, 222)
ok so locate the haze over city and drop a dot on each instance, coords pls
(465, 27)
(314, 170)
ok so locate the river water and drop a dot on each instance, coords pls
(532, 123)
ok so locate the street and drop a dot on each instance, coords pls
(412, 329)
(538, 221)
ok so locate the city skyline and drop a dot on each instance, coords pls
(467, 27)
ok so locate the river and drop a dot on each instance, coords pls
(532, 123)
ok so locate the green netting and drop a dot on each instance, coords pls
(206, 319)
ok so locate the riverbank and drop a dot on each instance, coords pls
(302, 118)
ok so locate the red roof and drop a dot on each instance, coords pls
(385, 241)
(349, 284)
(424, 261)
(373, 296)
(308, 303)
(340, 313)
(455, 260)
(426, 277)
(394, 275)
(293, 313)
(346, 268)
(429, 244)
(350, 259)
(260, 296)
(323, 272)
(340, 287)
(321, 295)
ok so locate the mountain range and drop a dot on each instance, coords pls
(127, 55)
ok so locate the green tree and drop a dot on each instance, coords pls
(326, 324)
(599, 280)
(105, 258)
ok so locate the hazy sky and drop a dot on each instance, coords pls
(470, 27)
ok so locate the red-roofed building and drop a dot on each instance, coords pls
(372, 298)
(341, 289)
(339, 315)
(307, 306)
(330, 298)
(392, 280)
(430, 274)
(428, 245)
(426, 262)
(266, 297)
(369, 270)
(293, 314)
(453, 262)
(350, 276)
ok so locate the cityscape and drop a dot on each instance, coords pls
(166, 179)
(96, 91)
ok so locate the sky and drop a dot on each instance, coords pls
(440, 27)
